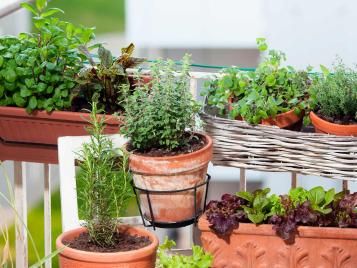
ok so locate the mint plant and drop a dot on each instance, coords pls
(334, 95)
(104, 180)
(37, 70)
(269, 90)
(161, 114)
(104, 79)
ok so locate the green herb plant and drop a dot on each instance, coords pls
(105, 79)
(198, 259)
(260, 206)
(105, 183)
(334, 95)
(269, 90)
(159, 114)
(37, 70)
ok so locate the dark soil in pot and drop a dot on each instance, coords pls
(342, 120)
(123, 242)
(194, 143)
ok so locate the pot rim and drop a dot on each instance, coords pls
(302, 231)
(179, 156)
(55, 115)
(108, 257)
(317, 120)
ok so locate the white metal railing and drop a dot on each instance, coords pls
(7, 7)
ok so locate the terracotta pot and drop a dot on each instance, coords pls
(284, 120)
(143, 258)
(16, 125)
(168, 174)
(323, 126)
(252, 246)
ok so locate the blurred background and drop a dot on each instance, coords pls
(215, 33)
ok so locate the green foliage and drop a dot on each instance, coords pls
(159, 113)
(335, 94)
(199, 258)
(37, 70)
(270, 90)
(105, 79)
(105, 183)
(260, 206)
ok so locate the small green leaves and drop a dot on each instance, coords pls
(262, 45)
(29, 8)
(51, 12)
(41, 4)
(324, 70)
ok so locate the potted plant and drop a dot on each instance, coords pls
(165, 152)
(104, 180)
(305, 228)
(334, 101)
(170, 258)
(270, 95)
(43, 79)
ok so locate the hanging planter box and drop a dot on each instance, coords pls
(252, 246)
(17, 126)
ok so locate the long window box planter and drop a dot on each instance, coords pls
(252, 246)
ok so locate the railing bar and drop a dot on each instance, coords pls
(47, 212)
(242, 180)
(293, 180)
(21, 208)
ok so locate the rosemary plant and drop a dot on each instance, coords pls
(104, 182)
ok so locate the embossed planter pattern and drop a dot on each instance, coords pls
(252, 246)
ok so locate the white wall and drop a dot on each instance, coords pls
(310, 32)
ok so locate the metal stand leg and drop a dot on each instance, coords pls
(47, 212)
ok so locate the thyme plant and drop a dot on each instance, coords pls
(104, 182)
(159, 114)
(334, 95)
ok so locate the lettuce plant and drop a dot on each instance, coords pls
(198, 259)
(314, 207)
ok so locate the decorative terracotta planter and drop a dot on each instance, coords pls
(323, 126)
(252, 246)
(16, 125)
(168, 174)
(143, 258)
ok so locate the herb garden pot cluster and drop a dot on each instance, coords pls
(144, 257)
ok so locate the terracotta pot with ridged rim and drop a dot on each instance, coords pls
(72, 258)
(170, 173)
(252, 246)
(323, 126)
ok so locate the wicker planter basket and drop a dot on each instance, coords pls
(267, 148)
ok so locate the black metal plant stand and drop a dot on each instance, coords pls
(152, 223)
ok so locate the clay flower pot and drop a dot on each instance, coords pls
(284, 120)
(252, 246)
(17, 126)
(143, 258)
(168, 174)
(323, 126)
